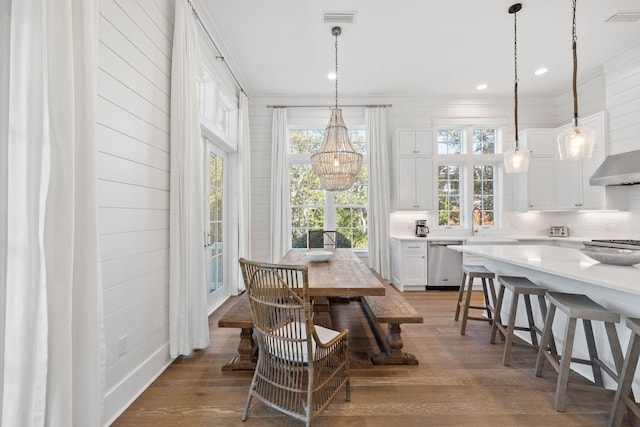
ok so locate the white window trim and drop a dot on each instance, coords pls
(466, 161)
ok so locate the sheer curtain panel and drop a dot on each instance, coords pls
(279, 185)
(244, 178)
(188, 323)
(379, 190)
(53, 342)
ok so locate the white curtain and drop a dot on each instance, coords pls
(53, 342)
(279, 185)
(379, 190)
(244, 186)
(188, 322)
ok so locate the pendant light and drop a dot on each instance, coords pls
(336, 164)
(576, 142)
(516, 160)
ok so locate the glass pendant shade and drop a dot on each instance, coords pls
(336, 164)
(576, 143)
(516, 160)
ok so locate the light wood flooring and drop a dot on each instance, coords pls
(460, 382)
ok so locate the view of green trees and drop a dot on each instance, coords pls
(308, 200)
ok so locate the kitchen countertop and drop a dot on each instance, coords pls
(488, 238)
(562, 262)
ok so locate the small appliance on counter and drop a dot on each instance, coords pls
(558, 231)
(421, 228)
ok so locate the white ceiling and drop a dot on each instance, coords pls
(415, 47)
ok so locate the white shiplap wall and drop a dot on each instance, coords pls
(134, 60)
(406, 113)
(623, 101)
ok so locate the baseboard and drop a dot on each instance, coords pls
(117, 400)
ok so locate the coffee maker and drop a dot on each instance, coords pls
(421, 228)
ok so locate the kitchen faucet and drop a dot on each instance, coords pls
(473, 226)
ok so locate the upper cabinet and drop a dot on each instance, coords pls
(554, 184)
(413, 166)
(575, 192)
(414, 143)
(534, 189)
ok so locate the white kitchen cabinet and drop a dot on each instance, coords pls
(574, 190)
(413, 170)
(552, 184)
(414, 143)
(414, 189)
(409, 264)
(535, 188)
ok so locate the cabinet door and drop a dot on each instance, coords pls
(407, 143)
(414, 269)
(541, 142)
(424, 182)
(415, 183)
(424, 144)
(540, 183)
(414, 143)
(569, 184)
(406, 187)
(593, 197)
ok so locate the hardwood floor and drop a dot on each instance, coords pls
(460, 382)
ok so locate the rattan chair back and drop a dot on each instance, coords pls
(300, 366)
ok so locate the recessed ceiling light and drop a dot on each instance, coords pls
(540, 71)
(481, 87)
(331, 76)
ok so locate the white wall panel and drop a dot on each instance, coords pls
(623, 101)
(115, 143)
(118, 118)
(133, 162)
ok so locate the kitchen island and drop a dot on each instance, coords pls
(568, 270)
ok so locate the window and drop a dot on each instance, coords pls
(468, 175)
(312, 207)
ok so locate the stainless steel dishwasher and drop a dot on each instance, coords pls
(444, 265)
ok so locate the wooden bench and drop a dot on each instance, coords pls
(239, 316)
(393, 310)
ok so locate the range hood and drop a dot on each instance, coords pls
(619, 169)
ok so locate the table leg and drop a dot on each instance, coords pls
(247, 353)
(321, 312)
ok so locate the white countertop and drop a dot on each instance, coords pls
(487, 238)
(563, 262)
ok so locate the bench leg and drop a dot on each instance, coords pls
(246, 358)
(393, 354)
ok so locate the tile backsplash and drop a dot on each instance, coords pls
(621, 225)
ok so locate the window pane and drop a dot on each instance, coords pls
(448, 195)
(449, 141)
(483, 195)
(484, 141)
(308, 200)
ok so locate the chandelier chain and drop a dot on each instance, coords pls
(575, 66)
(515, 81)
(336, 70)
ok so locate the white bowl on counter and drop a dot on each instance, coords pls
(613, 256)
(319, 256)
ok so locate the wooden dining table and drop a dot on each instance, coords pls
(343, 275)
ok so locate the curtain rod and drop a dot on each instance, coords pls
(331, 106)
(215, 46)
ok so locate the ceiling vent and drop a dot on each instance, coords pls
(625, 16)
(339, 17)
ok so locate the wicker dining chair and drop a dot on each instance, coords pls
(301, 366)
(322, 239)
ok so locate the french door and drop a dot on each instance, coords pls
(216, 221)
